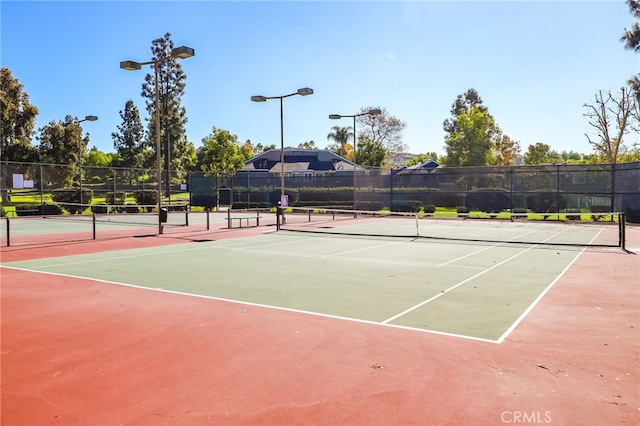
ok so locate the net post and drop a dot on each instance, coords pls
(278, 208)
(257, 217)
(228, 218)
(207, 210)
(186, 216)
(93, 224)
(8, 232)
(622, 231)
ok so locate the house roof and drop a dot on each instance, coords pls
(426, 166)
(299, 160)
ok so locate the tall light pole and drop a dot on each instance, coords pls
(80, 152)
(181, 52)
(258, 98)
(373, 111)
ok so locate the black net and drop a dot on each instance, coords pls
(575, 229)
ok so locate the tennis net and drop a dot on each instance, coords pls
(51, 223)
(575, 229)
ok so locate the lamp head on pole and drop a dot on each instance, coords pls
(335, 116)
(305, 91)
(182, 52)
(91, 118)
(259, 98)
(374, 111)
(130, 65)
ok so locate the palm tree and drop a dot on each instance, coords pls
(341, 136)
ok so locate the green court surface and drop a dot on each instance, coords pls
(479, 291)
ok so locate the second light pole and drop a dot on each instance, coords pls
(181, 52)
(373, 111)
(80, 152)
(259, 98)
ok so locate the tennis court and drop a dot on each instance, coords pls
(262, 326)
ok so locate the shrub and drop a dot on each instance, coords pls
(411, 206)
(131, 208)
(99, 208)
(488, 200)
(70, 198)
(430, 209)
(146, 197)
(27, 209)
(546, 202)
(50, 209)
(462, 210)
(572, 215)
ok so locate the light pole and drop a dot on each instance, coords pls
(373, 111)
(80, 152)
(258, 98)
(181, 52)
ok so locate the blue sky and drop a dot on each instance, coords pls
(534, 63)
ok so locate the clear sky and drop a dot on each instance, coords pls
(534, 63)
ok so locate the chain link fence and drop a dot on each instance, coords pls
(541, 188)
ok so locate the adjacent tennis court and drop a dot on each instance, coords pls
(289, 325)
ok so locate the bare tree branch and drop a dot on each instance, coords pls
(609, 116)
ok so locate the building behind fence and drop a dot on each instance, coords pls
(540, 188)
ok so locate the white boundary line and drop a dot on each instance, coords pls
(259, 305)
(526, 312)
(443, 292)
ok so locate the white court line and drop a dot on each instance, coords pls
(535, 302)
(424, 302)
(442, 293)
(259, 305)
(149, 251)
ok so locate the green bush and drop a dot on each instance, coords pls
(27, 209)
(146, 197)
(462, 210)
(430, 209)
(99, 208)
(546, 202)
(70, 198)
(50, 209)
(488, 200)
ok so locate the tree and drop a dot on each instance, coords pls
(631, 40)
(611, 117)
(129, 140)
(570, 157)
(220, 153)
(421, 158)
(508, 151)
(474, 141)
(180, 155)
(341, 136)
(463, 104)
(261, 149)
(97, 158)
(61, 142)
(310, 145)
(370, 153)
(383, 128)
(18, 120)
(246, 150)
(540, 153)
